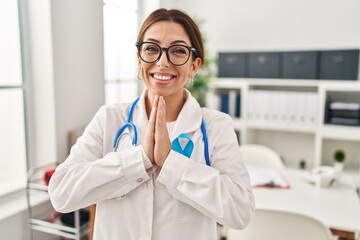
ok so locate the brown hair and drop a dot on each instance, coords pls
(176, 16)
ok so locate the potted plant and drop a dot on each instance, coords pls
(203, 78)
(339, 159)
(302, 164)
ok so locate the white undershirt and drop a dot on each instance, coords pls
(170, 126)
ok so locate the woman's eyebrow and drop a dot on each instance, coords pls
(152, 40)
(179, 41)
(173, 42)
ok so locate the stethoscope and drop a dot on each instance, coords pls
(132, 126)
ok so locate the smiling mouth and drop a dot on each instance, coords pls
(162, 77)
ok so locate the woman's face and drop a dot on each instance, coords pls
(162, 77)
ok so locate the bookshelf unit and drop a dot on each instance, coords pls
(296, 138)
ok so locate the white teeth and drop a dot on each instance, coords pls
(163, 78)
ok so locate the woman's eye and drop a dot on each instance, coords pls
(179, 51)
(152, 49)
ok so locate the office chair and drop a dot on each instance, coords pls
(280, 225)
(260, 156)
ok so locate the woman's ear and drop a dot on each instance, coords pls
(138, 60)
(195, 65)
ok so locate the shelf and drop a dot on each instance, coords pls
(239, 82)
(340, 85)
(47, 223)
(59, 229)
(297, 139)
(283, 82)
(229, 83)
(347, 133)
(238, 123)
(283, 128)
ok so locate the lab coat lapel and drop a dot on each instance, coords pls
(140, 118)
(189, 119)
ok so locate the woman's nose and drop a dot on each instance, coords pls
(163, 60)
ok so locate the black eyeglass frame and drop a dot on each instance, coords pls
(166, 50)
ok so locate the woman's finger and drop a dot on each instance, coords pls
(149, 139)
(162, 141)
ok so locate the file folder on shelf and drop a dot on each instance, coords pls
(230, 103)
(283, 108)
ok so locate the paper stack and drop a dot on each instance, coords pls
(344, 113)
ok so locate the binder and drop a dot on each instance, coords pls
(238, 105)
(224, 102)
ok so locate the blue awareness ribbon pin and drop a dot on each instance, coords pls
(187, 150)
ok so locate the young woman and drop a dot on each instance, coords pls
(174, 169)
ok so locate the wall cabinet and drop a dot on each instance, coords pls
(291, 117)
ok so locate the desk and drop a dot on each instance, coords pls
(337, 206)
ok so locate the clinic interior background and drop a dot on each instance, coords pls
(66, 78)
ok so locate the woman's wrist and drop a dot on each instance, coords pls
(146, 159)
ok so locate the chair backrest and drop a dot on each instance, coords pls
(260, 156)
(281, 225)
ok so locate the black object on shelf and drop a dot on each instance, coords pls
(238, 106)
(300, 65)
(264, 65)
(339, 64)
(345, 121)
(68, 219)
(232, 65)
(342, 113)
(324, 65)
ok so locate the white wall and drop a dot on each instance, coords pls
(39, 81)
(248, 25)
(66, 79)
(77, 33)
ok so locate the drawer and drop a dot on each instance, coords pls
(340, 65)
(264, 65)
(232, 65)
(300, 65)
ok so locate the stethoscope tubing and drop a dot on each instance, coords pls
(206, 143)
(121, 130)
(127, 124)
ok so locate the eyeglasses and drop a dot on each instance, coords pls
(176, 54)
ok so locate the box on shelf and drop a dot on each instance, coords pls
(339, 64)
(232, 65)
(264, 65)
(300, 65)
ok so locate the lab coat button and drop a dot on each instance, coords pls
(139, 180)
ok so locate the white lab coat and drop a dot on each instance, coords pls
(182, 200)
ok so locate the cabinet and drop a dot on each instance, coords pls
(48, 221)
(294, 137)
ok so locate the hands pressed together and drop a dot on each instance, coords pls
(157, 144)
